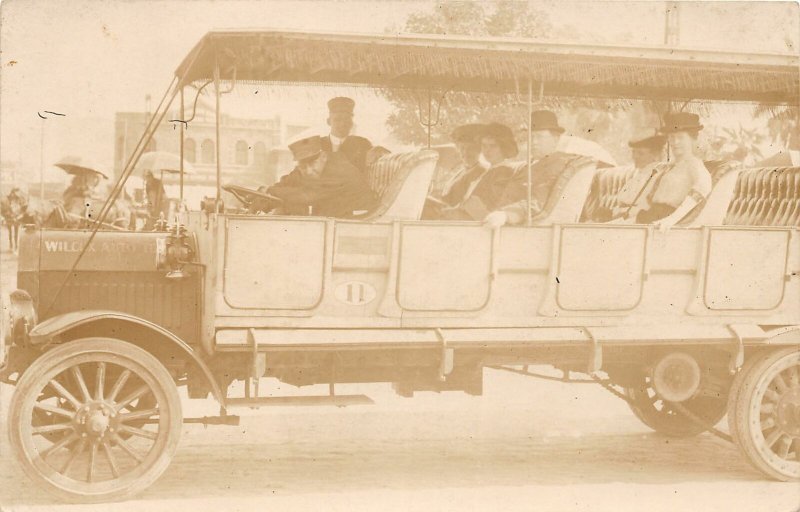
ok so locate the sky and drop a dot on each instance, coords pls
(91, 58)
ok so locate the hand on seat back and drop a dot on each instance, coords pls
(664, 224)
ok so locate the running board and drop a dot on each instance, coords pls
(214, 420)
(337, 400)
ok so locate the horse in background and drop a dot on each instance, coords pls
(15, 211)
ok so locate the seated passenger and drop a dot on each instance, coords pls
(340, 140)
(467, 139)
(322, 184)
(647, 150)
(546, 166)
(498, 146)
(683, 183)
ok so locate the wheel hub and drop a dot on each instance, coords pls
(95, 419)
(789, 412)
(676, 377)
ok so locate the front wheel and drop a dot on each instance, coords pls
(766, 414)
(99, 443)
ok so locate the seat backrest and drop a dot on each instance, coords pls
(568, 195)
(765, 196)
(712, 211)
(604, 192)
(401, 182)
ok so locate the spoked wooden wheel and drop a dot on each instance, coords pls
(663, 417)
(95, 420)
(767, 414)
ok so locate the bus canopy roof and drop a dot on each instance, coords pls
(493, 65)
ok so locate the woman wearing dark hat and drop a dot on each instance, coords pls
(685, 182)
(467, 139)
(498, 147)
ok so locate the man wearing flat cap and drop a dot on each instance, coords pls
(340, 120)
(323, 184)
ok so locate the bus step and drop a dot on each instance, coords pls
(214, 420)
(337, 400)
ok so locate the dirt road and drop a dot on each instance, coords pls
(524, 445)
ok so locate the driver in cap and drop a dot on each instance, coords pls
(323, 183)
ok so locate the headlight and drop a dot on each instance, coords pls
(21, 318)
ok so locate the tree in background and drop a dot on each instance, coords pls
(783, 124)
(503, 18)
(610, 123)
(605, 122)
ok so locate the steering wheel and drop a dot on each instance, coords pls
(247, 195)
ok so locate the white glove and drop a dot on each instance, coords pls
(496, 219)
(665, 224)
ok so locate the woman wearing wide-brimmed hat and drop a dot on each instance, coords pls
(498, 147)
(467, 139)
(685, 182)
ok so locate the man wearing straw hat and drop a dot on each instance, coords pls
(340, 119)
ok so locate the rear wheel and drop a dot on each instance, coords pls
(662, 415)
(767, 414)
(95, 445)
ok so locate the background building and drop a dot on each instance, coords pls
(252, 151)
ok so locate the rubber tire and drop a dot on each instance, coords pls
(116, 347)
(733, 395)
(743, 427)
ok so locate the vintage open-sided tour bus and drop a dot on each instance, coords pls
(685, 325)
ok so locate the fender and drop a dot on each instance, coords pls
(56, 325)
(785, 336)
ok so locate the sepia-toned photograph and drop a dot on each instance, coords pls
(350, 255)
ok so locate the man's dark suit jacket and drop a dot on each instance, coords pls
(353, 147)
(337, 192)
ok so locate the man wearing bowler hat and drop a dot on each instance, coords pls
(647, 148)
(324, 184)
(546, 166)
(340, 119)
(647, 151)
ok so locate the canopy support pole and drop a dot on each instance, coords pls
(429, 123)
(216, 126)
(182, 135)
(530, 174)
